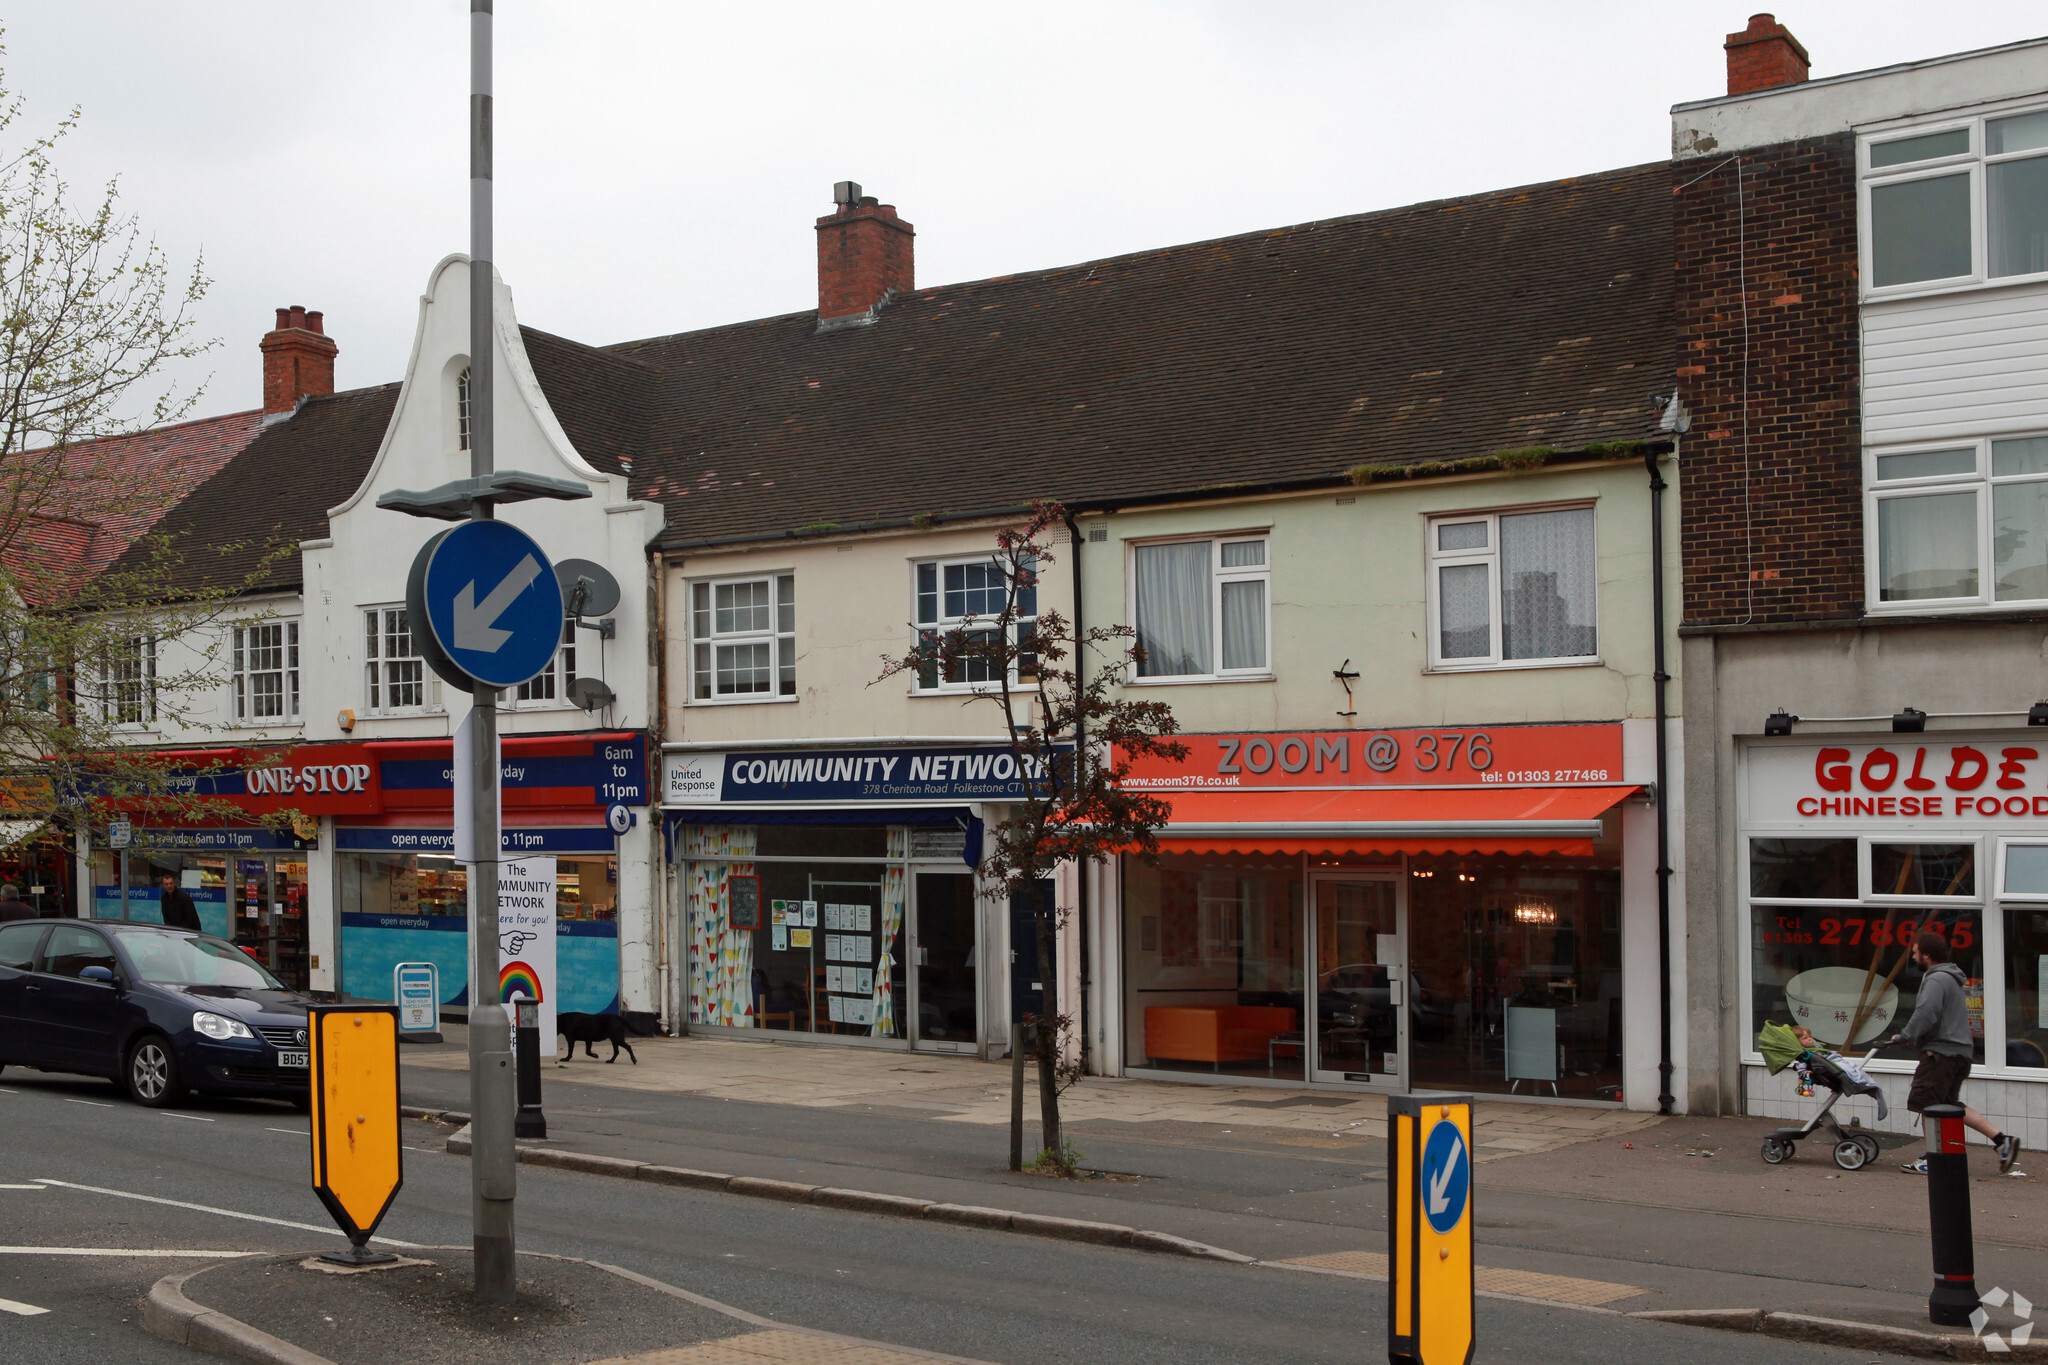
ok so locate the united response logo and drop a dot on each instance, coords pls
(2022, 1308)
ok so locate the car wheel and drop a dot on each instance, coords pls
(152, 1073)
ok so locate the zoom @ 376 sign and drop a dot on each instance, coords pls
(484, 605)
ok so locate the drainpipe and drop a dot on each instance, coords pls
(1661, 678)
(1082, 872)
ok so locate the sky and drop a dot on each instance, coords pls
(660, 163)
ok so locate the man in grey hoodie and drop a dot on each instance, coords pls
(1940, 1032)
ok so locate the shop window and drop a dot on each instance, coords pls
(2026, 986)
(1202, 608)
(1962, 526)
(552, 682)
(743, 639)
(1840, 964)
(264, 671)
(127, 681)
(969, 595)
(1926, 191)
(1512, 589)
(395, 674)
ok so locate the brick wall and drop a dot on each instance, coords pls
(1798, 556)
(864, 252)
(298, 360)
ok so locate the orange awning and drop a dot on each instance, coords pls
(1556, 820)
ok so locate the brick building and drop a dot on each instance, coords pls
(1860, 291)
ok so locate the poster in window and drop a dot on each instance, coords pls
(743, 901)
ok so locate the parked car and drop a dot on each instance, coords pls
(160, 1010)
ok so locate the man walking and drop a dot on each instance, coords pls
(12, 906)
(1940, 1032)
(178, 910)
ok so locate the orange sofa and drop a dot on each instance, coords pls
(1215, 1033)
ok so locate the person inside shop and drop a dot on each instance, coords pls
(1940, 1032)
(177, 908)
(12, 906)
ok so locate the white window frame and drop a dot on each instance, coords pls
(1978, 481)
(144, 649)
(2000, 845)
(430, 682)
(1866, 863)
(944, 623)
(555, 678)
(702, 659)
(1218, 576)
(1975, 161)
(1435, 559)
(240, 674)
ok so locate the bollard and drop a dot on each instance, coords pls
(1948, 1218)
(530, 1122)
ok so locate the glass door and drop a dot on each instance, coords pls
(1358, 944)
(948, 998)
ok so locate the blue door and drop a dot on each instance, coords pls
(17, 964)
(76, 1019)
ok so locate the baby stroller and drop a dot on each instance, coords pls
(1853, 1150)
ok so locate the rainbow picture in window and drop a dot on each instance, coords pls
(515, 978)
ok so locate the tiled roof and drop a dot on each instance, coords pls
(101, 495)
(1524, 317)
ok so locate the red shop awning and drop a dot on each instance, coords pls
(1555, 820)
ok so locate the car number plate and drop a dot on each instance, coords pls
(295, 1059)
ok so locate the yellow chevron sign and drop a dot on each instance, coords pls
(356, 1166)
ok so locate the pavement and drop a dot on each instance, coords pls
(1596, 1208)
(101, 1201)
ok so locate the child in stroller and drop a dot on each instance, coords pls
(1838, 1076)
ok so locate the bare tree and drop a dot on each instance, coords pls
(1072, 738)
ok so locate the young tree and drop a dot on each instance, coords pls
(1072, 736)
(92, 319)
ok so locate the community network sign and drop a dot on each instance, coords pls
(967, 773)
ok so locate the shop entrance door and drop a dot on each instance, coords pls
(1358, 943)
(947, 998)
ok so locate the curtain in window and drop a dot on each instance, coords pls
(1464, 614)
(1546, 585)
(1244, 624)
(721, 958)
(1173, 608)
(1927, 547)
(893, 883)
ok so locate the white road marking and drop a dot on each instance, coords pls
(94, 1103)
(5, 1091)
(27, 1310)
(122, 1251)
(20, 1187)
(295, 1132)
(196, 1118)
(208, 1208)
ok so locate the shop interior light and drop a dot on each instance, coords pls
(1535, 910)
(1911, 720)
(1779, 722)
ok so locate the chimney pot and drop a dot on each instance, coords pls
(298, 360)
(1763, 56)
(864, 254)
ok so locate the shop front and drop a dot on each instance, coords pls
(248, 885)
(1852, 846)
(1437, 909)
(831, 893)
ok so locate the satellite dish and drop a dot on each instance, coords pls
(590, 693)
(600, 591)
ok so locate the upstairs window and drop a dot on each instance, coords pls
(743, 639)
(394, 671)
(968, 595)
(1964, 525)
(1201, 608)
(264, 663)
(1513, 589)
(1959, 204)
(128, 682)
(462, 409)
(552, 682)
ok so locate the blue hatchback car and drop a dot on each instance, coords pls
(160, 1010)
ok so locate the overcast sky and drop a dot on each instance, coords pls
(659, 164)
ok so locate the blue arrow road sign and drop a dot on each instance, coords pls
(1446, 1176)
(484, 597)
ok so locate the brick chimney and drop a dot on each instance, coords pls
(864, 254)
(1764, 55)
(298, 361)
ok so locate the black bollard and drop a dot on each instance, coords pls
(1948, 1218)
(529, 1122)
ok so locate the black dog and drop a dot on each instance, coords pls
(594, 1028)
